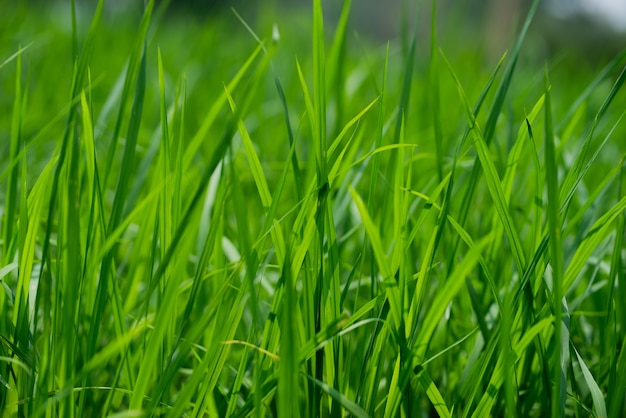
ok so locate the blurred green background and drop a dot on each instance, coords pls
(205, 42)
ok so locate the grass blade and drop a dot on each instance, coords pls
(556, 255)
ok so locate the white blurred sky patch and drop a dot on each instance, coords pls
(610, 12)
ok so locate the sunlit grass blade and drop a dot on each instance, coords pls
(334, 170)
(433, 394)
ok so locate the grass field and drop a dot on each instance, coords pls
(197, 220)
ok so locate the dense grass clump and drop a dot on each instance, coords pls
(196, 221)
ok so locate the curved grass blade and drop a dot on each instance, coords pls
(596, 394)
(354, 409)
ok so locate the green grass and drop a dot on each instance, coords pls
(200, 225)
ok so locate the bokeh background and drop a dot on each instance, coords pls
(205, 42)
(575, 22)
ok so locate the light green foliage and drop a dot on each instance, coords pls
(199, 225)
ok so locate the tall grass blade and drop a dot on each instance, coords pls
(11, 202)
(556, 254)
(596, 394)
